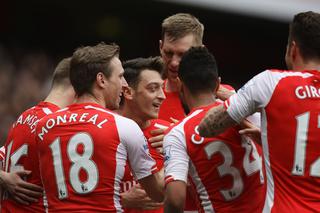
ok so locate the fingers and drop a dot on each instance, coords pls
(247, 124)
(30, 193)
(156, 140)
(149, 204)
(223, 93)
(23, 173)
(31, 187)
(254, 134)
(248, 131)
(174, 121)
(23, 198)
(19, 200)
(157, 132)
(160, 150)
(156, 144)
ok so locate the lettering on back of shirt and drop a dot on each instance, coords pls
(73, 118)
(28, 120)
(307, 91)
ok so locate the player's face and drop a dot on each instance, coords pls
(115, 83)
(172, 51)
(148, 95)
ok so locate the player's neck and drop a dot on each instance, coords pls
(172, 85)
(90, 98)
(129, 112)
(201, 100)
(61, 98)
(310, 65)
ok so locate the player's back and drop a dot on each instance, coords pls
(226, 169)
(21, 153)
(291, 123)
(82, 158)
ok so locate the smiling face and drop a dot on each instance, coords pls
(148, 95)
(172, 51)
(114, 83)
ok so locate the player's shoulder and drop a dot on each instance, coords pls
(284, 73)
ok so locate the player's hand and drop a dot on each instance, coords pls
(137, 197)
(19, 190)
(157, 139)
(223, 93)
(251, 131)
(174, 121)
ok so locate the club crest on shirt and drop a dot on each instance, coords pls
(167, 153)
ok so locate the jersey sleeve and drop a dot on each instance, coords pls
(131, 136)
(255, 94)
(175, 155)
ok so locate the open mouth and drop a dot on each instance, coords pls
(156, 105)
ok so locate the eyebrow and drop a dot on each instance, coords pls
(154, 84)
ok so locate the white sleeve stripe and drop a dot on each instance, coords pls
(177, 159)
(121, 158)
(131, 136)
(269, 199)
(201, 189)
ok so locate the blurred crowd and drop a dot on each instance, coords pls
(24, 81)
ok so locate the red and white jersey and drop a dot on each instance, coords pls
(2, 156)
(83, 151)
(226, 170)
(21, 153)
(290, 125)
(128, 180)
(171, 107)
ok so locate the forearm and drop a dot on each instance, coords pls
(175, 197)
(216, 121)
(168, 208)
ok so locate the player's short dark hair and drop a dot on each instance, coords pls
(87, 62)
(198, 70)
(133, 68)
(305, 31)
(61, 73)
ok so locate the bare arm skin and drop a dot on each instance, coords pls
(154, 185)
(223, 93)
(137, 198)
(216, 121)
(175, 197)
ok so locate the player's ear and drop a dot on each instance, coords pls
(160, 45)
(128, 93)
(217, 85)
(294, 50)
(101, 80)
